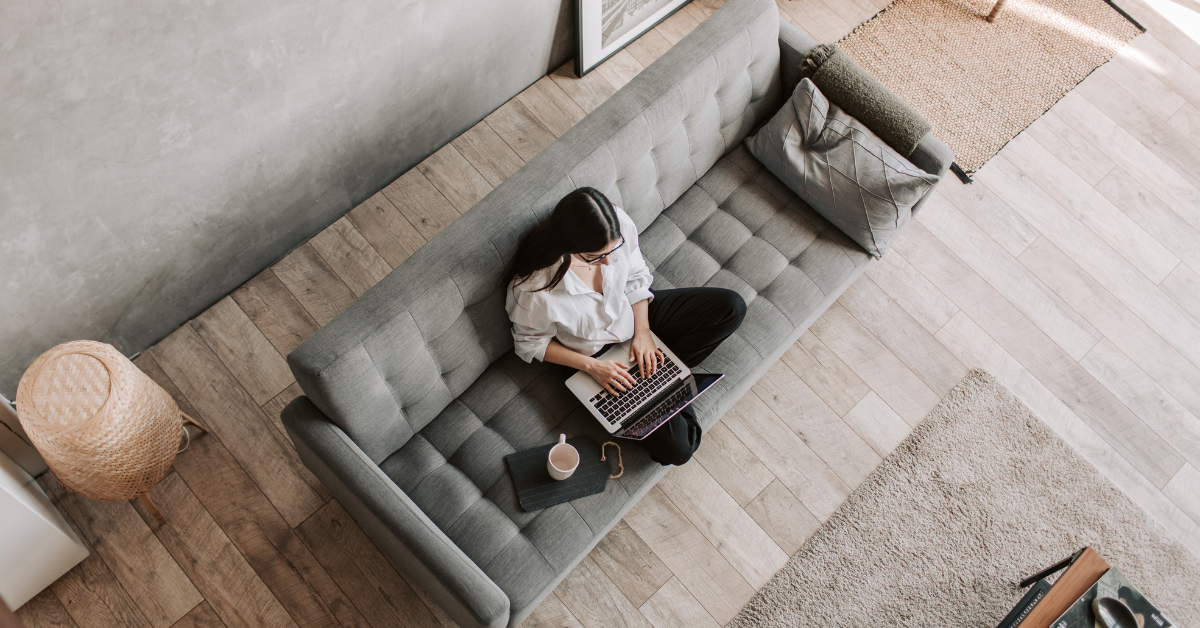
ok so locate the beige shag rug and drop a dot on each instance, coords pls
(980, 83)
(981, 495)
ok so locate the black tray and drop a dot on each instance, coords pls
(537, 490)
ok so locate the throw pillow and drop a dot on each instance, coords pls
(840, 168)
(866, 99)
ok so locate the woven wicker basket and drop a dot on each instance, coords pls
(106, 429)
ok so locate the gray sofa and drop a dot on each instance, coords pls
(413, 394)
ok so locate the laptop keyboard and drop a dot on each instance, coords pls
(646, 424)
(615, 409)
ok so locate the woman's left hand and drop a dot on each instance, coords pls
(643, 351)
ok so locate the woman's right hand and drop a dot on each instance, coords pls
(612, 375)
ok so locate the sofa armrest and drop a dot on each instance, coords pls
(414, 542)
(932, 155)
(794, 46)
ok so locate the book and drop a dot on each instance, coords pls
(1025, 606)
(1083, 572)
(1112, 584)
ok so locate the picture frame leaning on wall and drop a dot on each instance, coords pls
(604, 27)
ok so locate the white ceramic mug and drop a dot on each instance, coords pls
(563, 459)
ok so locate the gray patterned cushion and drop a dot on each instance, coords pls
(844, 171)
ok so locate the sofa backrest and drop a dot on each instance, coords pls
(391, 362)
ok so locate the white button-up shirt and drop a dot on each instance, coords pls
(582, 319)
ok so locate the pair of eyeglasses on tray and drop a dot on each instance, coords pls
(600, 258)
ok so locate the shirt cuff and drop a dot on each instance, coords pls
(643, 294)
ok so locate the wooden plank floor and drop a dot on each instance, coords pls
(1070, 270)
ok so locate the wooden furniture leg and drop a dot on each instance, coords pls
(995, 10)
(187, 420)
(154, 511)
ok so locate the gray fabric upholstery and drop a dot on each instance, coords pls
(413, 394)
(866, 99)
(845, 172)
(794, 47)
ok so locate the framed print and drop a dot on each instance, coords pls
(607, 26)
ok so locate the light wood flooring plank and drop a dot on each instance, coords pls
(595, 601)
(903, 335)
(44, 611)
(138, 560)
(587, 92)
(723, 522)
(94, 598)
(1128, 70)
(520, 129)
(619, 69)
(267, 542)
(825, 373)
(211, 561)
(275, 312)
(1172, 37)
(677, 26)
(421, 203)
(1140, 393)
(977, 349)
(1071, 148)
(1036, 352)
(314, 284)
(793, 462)
(1153, 215)
(1118, 324)
(363, 574)
(1184, 490)
(392, 235)
(817, 19)
(912, 291)
(1183, 285)
(835, 442)
(878, 424)
(1147, 57)
(551, 614)
(1128, 153)
(243, 349)
(454, 176)
(351, 256)
(552, 106)
(1096, 257)
(487, 153)
(648, 47)
(233, 417)
(203, 616)
(1090, 208)
(853, 12)
(690, 557)
(630, 563)
(732, 464)
(1186, 122)
(1004, 273)
(783, 517)
(989, 212)
(1153, 132)
(875, 364)
(673, 606)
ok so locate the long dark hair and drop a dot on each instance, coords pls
(582, 222)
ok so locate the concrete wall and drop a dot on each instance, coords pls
(156, 155)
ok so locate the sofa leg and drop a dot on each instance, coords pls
(995, 10)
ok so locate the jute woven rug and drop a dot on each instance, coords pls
(981, 495)
(980, 83)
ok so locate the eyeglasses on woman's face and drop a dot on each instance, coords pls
(592, 261)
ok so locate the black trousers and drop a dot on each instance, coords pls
(692, 322)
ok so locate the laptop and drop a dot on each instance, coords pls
(638, 412)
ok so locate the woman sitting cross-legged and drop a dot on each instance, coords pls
(578, 284)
